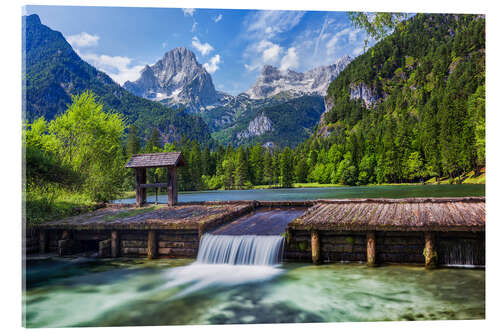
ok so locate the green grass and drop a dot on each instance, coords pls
(481, 179)
(52, 202)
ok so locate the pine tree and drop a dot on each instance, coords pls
(240, 172)
(195, 165)
(133, 143)
(154, 141)
(286, 168)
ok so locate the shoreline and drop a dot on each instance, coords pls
(131, 194)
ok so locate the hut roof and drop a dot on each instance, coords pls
(155, 160)
(412, 214)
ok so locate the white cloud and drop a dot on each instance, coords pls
(290, 60)
(217, 18)
(83, 39)
(358, 50)
(193, 27)
(163, 45)
(188, 11)
(212, 65)
(204, 48)
(270, 51)
(117, 67)
(332, 43)
(262, 53)
(269, 23)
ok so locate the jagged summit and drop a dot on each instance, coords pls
(177, 78)
(273, 81)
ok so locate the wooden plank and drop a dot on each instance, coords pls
(154, 185)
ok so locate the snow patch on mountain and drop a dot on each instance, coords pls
(273, 81)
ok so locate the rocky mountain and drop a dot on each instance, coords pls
(273, 81)
(177, 79)
(54, 72)
(275, 122)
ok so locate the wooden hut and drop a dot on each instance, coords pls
(140, 162)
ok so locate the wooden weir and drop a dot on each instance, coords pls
(374, 231)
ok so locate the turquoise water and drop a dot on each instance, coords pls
(89, 292)
(380, 191)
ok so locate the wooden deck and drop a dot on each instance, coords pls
(119, 217)
(411, 214)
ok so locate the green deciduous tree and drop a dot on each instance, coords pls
(89, 141)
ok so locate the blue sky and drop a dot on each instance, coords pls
(233, 45)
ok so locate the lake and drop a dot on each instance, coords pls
(120, 292)
(372, 191)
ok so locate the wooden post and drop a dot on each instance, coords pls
(42, 241)
(430, 253)
(370, 249)
(140, 193)
(105, 248)
(152, 246)
(315, 247)
(115, 244)
(65, 244)
(172, 186)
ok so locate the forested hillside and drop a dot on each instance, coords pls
(412, 107)
(54, 72)
(290, 122)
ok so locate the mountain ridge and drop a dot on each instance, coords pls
(272, 80)
(54, 71)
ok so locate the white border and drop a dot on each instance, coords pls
(10, 81)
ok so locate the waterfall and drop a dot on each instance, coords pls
(240, 250)
(464, 253)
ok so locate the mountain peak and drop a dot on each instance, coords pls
(33, 19)
(177, 78)
(273, 81)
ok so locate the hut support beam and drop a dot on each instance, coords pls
(42, 241)
(315, 247)
(140, 192)
(152, 245)
(430, 253)
(65, 244)
(105, 248)
(172, 186)
(370, 249)
(115, 244)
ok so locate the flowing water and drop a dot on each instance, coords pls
(378, 191)
(238, 277)
(120, 292)
(241, 250)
